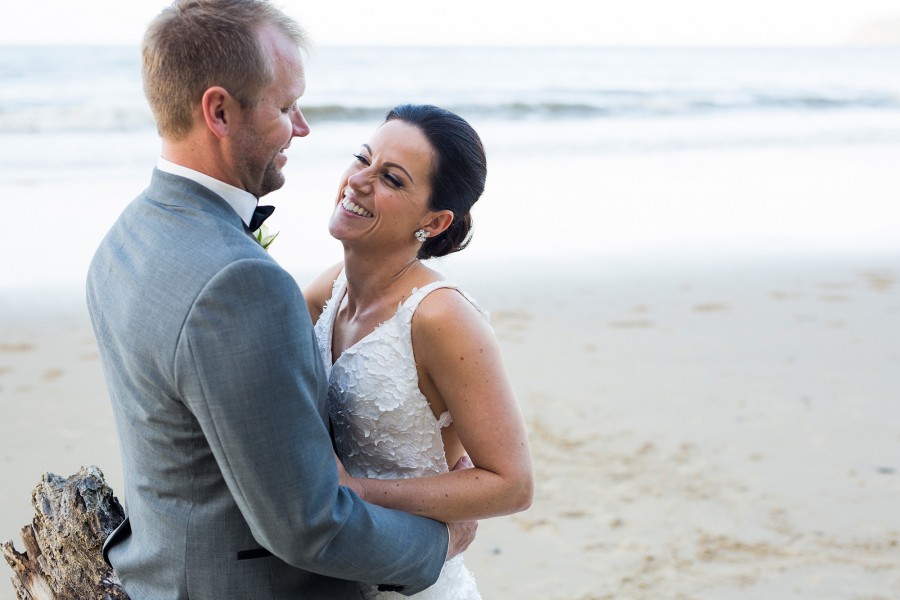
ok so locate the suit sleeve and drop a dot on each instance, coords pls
(248, 367)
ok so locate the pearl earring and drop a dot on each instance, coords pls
(421, 235)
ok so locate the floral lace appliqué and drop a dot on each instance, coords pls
(383, 425)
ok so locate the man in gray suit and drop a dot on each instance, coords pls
(216, 384)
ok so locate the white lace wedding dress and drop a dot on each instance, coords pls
(383, 426)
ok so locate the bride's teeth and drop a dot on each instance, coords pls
(350, 206)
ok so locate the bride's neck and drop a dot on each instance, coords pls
(371, 279)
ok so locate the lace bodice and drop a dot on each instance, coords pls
(383, 425)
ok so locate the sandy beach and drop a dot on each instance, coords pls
(691, 259)
(701, 429)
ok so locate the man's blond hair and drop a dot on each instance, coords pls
(193, 45)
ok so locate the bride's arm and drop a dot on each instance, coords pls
(460, 356)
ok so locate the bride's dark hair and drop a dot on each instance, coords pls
(458, 171)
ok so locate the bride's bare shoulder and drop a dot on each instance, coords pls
(448, 311)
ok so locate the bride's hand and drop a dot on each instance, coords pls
(346, 480)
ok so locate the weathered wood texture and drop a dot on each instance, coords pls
(62, 559)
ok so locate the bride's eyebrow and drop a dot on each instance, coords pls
(391, 164)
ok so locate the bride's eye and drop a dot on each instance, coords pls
(393, 180)
(361, 159)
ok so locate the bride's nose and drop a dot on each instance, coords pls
(360, 181)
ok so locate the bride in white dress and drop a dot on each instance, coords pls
(416, 379)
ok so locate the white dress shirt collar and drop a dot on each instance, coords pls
(242, 201)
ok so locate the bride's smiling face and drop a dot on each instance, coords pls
(383, 195)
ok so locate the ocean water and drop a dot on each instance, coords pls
(593, 152)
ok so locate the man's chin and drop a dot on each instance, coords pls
(274, 180)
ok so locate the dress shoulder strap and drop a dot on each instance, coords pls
(338, 288)
(340, 282)
(419, 294)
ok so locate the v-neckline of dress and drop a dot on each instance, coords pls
(352, 348)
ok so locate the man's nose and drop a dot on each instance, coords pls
(301, 127)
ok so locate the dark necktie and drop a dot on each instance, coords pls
(260, 214)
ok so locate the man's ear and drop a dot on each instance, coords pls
(218, 107)
(439, 223)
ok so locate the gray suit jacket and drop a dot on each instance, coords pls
(219, 399)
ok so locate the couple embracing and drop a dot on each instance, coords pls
(339, 442)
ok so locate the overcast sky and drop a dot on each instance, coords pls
(486, 22)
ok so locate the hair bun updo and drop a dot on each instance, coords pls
(458, 171)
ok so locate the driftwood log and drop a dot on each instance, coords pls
(62, 558)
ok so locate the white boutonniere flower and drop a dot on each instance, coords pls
(265, 238)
